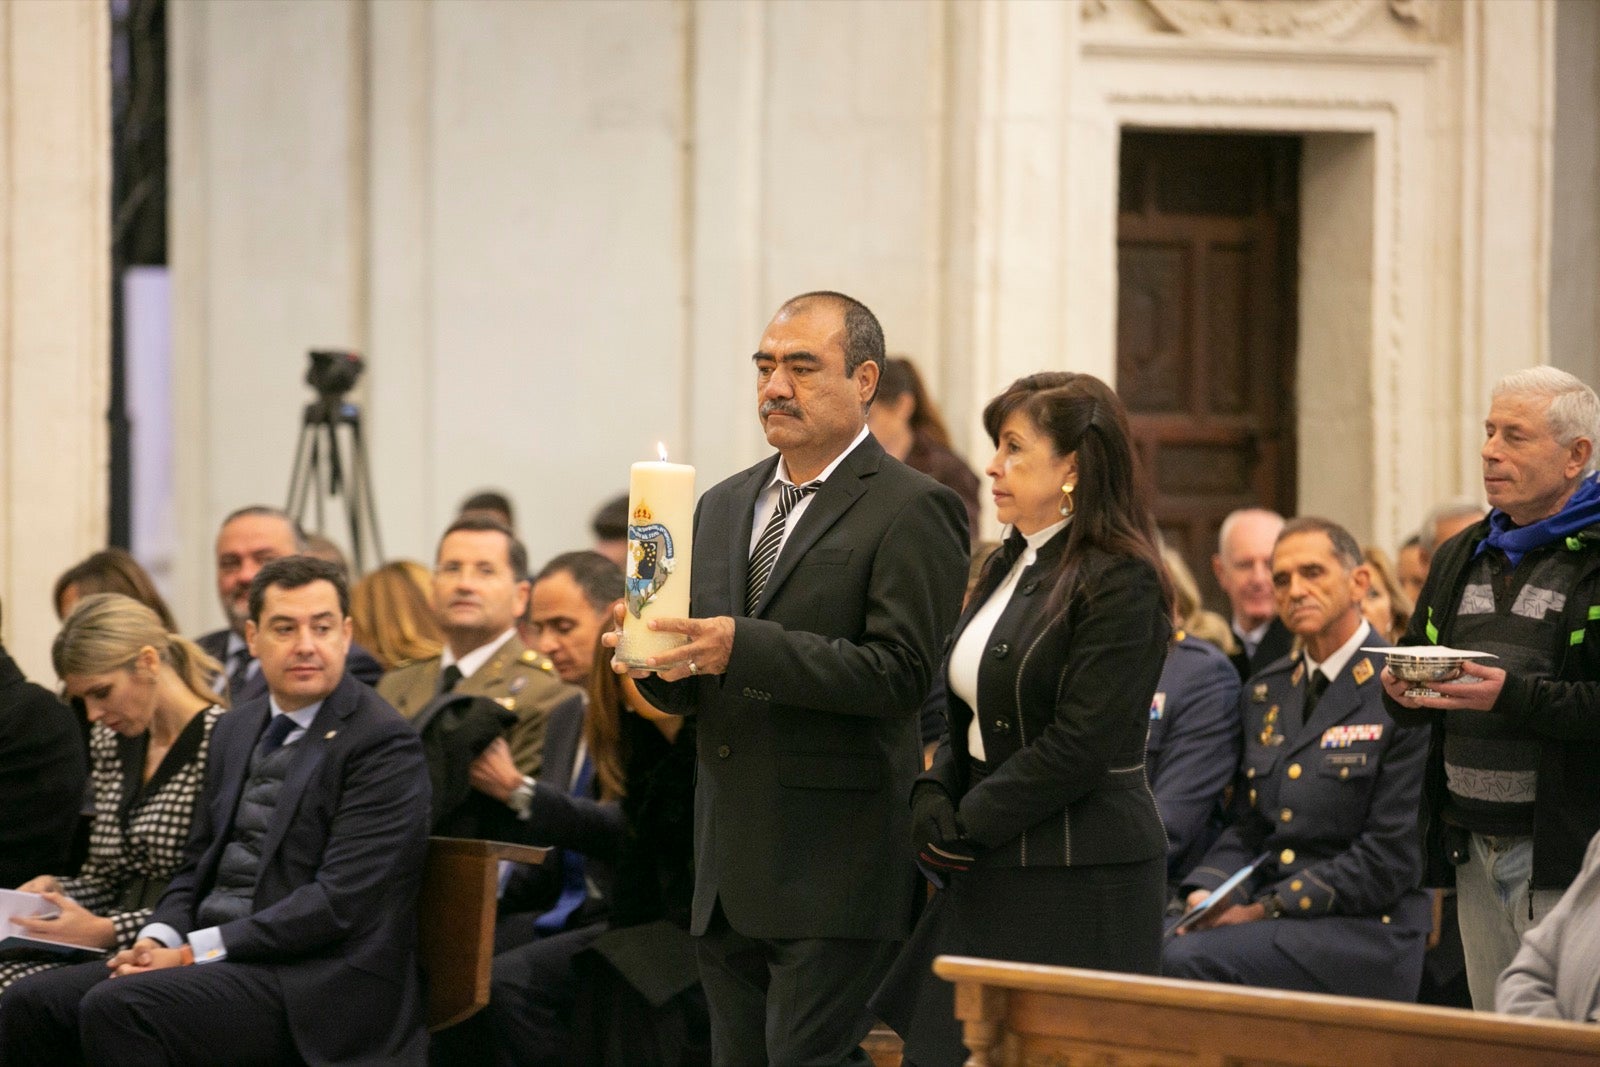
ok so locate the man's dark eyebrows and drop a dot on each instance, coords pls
(808, 358)
(320, 616)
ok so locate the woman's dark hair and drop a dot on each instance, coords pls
(114, 570)
(899, 378)
(1080, 413)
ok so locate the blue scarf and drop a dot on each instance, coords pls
(1581, 511)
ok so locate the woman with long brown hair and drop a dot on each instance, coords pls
(907, 423)
(1035, 820)
(148, 694)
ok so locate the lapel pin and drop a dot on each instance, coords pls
(329, 735)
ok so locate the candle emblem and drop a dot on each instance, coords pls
(660, 533)
(651, 558)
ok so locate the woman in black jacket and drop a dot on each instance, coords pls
(1036, 821)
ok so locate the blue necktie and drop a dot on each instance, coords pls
(574, 889)
(272, 737)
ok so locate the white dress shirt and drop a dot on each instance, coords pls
(767, 499)
(470, 663)
(967, 655)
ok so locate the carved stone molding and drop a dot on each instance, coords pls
(1310, 20)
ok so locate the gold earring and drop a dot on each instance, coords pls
(1067, 506)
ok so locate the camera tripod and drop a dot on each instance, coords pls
(319, 465)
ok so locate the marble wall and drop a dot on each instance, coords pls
(556, 230)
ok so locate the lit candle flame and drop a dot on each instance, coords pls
(661, 449)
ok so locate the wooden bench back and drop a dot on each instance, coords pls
(1017, 1014)
(456, 916)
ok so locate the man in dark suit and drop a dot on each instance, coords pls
(249, 539)
(41, 777)
(299, 886)
(825, 581)
(1243, 566)
(1333, 787)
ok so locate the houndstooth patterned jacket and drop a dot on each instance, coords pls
(139, 828)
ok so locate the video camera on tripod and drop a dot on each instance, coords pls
(332, 374)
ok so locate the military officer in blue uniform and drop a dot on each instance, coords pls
(1192, 750)
(1332, 791)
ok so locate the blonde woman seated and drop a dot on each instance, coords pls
(148, 694)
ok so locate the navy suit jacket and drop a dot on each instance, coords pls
(335, 905)
(359, 662)
(1276, 643)
(1192, 752)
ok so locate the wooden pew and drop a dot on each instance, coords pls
(1016, 1014)
(456, 913)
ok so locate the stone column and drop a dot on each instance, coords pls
(55, 257)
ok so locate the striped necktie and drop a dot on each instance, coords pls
(766, 550)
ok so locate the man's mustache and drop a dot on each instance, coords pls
(779, 407)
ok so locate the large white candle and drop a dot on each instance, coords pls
(660, 536)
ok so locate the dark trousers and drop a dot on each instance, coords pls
(788, 1002)
(212, 1013)
(527, 1020)
(1105, 917)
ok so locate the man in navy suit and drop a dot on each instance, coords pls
(1243, 566)
(249, 539)
(289, 934)
(826, 579)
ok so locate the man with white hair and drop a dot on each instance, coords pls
(1243, 566)
(1512, 794)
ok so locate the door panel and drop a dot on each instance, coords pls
(1206, 248)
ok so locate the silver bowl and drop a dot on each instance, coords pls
(1422, 670)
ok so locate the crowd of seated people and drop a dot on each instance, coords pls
(1387, 843)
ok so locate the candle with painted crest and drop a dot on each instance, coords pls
(660, 536)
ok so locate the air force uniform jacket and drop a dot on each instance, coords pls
(1333, 804)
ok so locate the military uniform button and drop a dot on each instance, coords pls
(1305, 903)
(1286, 857)
(1386, 920)
(1285, 815)
(723, 751)
(1294, 770)
(1344, 772)
(1250, 772)
(1296, 885)
(1252, 797)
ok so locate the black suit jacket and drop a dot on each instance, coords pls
(1276, 643)
(358, 662)
(809, 744)
(1064, 706)
(42, 774)
(335, 907)
(560, 820)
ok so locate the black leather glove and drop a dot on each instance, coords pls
(936, 834)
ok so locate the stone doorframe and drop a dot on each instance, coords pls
(1425, 189)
